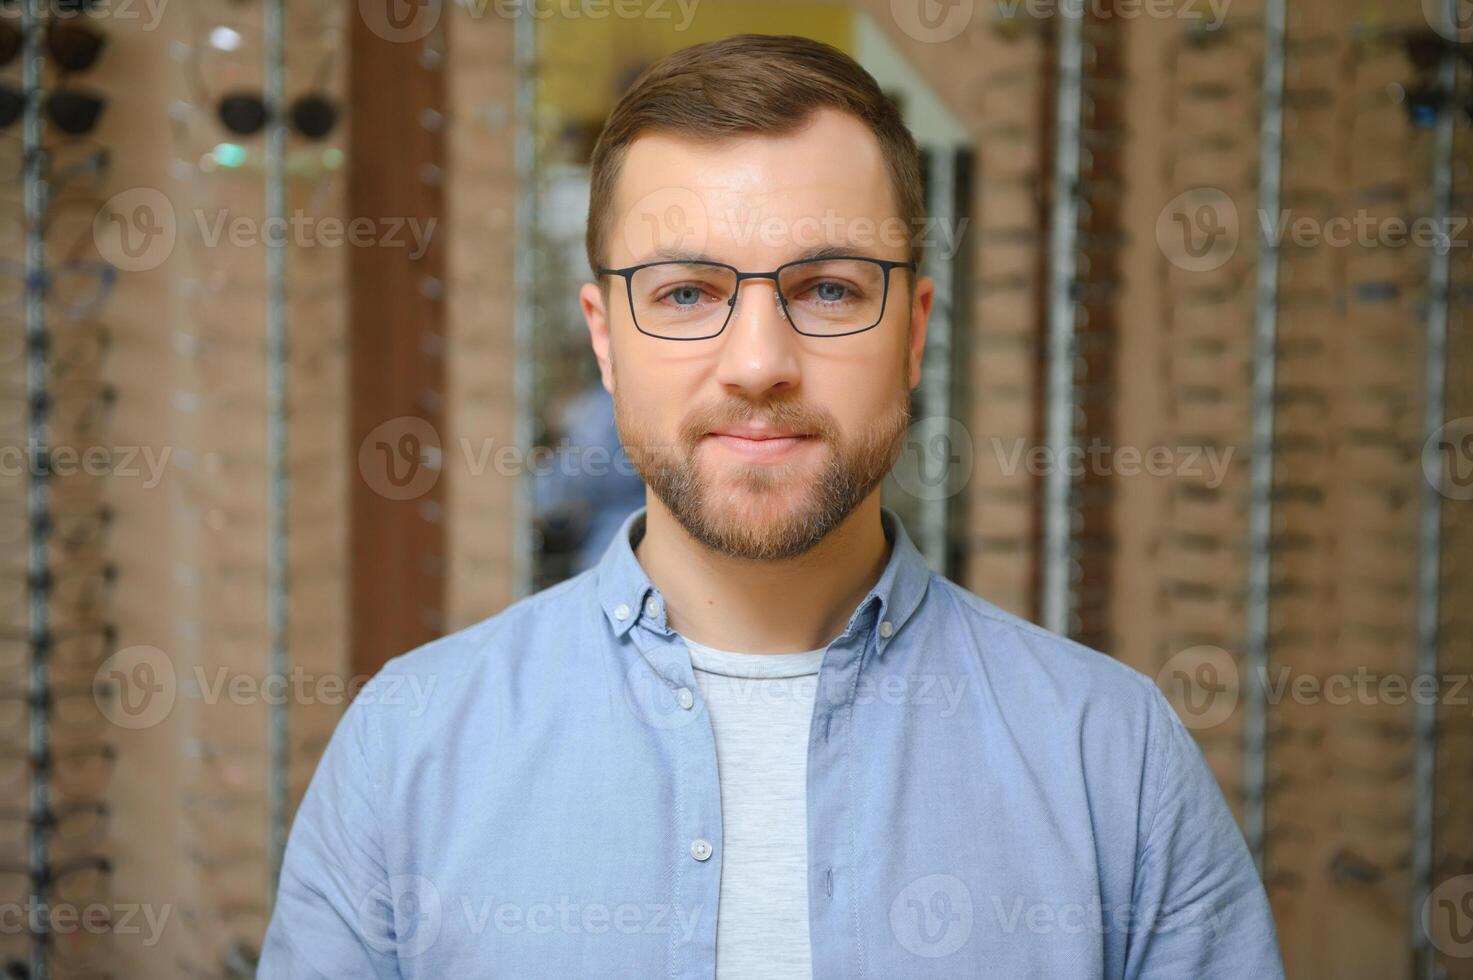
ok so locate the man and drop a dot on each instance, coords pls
(761, 739)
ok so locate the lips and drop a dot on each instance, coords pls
(762, 445)
(759, 435)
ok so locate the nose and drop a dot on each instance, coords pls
(759, 350)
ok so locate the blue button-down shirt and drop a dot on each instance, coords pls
(537, 796)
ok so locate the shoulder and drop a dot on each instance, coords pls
(1017, 651)
(463, 675)
(1049, 683)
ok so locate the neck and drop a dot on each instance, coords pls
(796, 604)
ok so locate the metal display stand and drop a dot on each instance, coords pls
(38, 490)
(1429, 544)
(1057, 600)
(524, 548)
(932, 535)
(1260, 506)
(279, 489)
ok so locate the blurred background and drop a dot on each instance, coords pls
(294, 380)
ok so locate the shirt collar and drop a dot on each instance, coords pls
(627, 595)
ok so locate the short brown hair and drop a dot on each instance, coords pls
(750, 83)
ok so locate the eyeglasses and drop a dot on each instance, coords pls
(72, 111)
(312, 116)
(75, 47)
(694, 300)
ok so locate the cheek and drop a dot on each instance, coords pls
(851, 407)
(650, 397)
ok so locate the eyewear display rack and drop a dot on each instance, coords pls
(38, 490)
(1429, 544)
(1057, 602)
(278, 478)
(1081, 338)
(1299, 358)
(1264, 385)
(62, 590)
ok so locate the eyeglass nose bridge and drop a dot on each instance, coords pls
(777, 292)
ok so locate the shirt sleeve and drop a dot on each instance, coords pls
(333, 916)
(1199, 907)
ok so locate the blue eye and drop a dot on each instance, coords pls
(686, 295)
(830, 292)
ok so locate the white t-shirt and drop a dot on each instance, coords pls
(761, 705)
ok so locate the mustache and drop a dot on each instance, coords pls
(790, 415)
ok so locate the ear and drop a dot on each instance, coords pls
(920, 316)
(596, 315)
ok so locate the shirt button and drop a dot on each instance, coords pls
(652, 607)
(685, 698)
(621, 612)
(700, 849)
(887, 629)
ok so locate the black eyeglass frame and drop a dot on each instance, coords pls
(886, 265)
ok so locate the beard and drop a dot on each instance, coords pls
(760, 511)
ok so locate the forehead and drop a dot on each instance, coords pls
(754, 197)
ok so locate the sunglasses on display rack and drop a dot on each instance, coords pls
(75, 289)
(311, 116)
(73, 111)
(73, 47)
(243, 110)
(66, 165)
(82, 648)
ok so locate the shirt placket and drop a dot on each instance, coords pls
(833, 898)
(695, 823)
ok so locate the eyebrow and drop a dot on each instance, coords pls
(808, 254)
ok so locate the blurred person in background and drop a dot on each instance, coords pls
(584, 494)
(762, 738)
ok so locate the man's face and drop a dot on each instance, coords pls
(686, 409)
